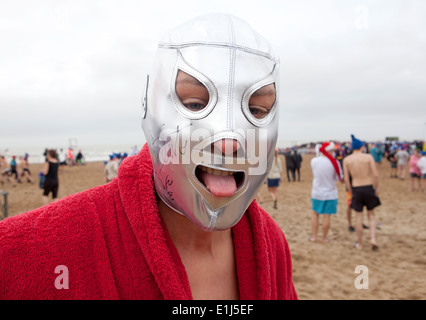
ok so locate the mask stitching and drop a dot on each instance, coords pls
(219, 45)
(182, 64)
(231, 85)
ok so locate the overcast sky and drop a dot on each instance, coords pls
(75, 69)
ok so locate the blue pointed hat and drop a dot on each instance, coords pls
(356, 144)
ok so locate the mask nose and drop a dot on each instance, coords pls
(226, 147)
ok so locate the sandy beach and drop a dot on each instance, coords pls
(320, 271)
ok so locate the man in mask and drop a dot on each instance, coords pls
(179, 221)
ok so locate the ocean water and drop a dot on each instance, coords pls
(90, 153)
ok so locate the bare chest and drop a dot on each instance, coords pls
(210, 279)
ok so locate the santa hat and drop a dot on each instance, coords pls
(328, 146)
(356, 144)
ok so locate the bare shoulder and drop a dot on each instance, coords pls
(348, 159)
(368, 156)
(358, 156)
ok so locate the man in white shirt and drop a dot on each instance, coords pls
(326, 171)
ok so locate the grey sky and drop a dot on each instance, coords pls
(76, 68)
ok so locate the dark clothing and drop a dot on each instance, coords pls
(393, 161)
(273, 183)
(51, 183)
(364, 196)
(79, 158)
(52, 174)
(290, 165)
(297, 159)
(391, 157)
(51, 187)
(289, 161)
(293, 174)
(25, 170)
(13, 170)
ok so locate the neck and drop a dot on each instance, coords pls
(187, 236)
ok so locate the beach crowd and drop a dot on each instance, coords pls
(355, 165)
(405, 159)
(16, 170)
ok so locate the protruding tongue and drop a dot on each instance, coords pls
(220, 186)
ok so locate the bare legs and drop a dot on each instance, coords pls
(349, 217)
(419, 183)
(45, 200)
(325, 227)
(273, 192)
(401, 171)
(359, 229)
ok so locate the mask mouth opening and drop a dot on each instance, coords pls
(220, 182)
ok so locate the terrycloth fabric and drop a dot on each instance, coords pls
(114, 245)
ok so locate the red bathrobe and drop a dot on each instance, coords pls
(110, 242)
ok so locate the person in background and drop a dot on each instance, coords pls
(14, 171)
(25, 173)
(5, 172)
(50, 170)
(111, 168)
(377, 152)
(289, 165)
(274, 178)
(324, 195)
(79, 158)
(70, 157)
(402, 157)
(415, 173)
(297, 158)
(421, 164)
(45, 154)
(393, 162)
(363, 188)
(339, 154)
(62, 157)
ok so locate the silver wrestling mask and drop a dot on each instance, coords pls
(211, 159)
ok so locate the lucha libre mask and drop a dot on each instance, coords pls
(210, 158)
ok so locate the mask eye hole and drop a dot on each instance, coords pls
(191, 92)
(262, 100)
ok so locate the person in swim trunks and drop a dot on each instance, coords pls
(364, 188)
(326, 171)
